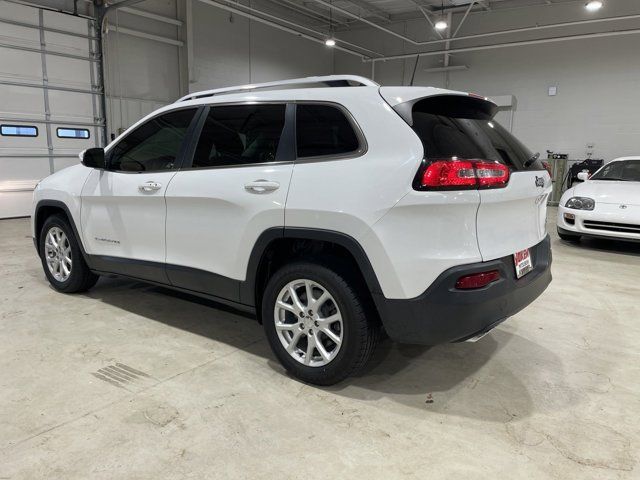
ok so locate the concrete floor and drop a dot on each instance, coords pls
(133, 382)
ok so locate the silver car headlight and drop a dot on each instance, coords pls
(581, 203)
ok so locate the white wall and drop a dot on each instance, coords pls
(598, 80)
(231, 50)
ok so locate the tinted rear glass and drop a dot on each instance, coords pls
(468, 134)
(323, 130)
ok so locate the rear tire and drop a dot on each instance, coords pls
(62, 259)
(296, 330)
(568, 237)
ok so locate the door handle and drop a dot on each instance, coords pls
(150, 186)
(261, 186)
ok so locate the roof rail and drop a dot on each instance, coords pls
(329, 81)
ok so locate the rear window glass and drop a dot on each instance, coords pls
(468, 133)
(323, 130)
(18, 131)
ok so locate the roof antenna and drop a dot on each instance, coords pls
(415, 67)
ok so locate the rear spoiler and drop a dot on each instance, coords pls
(406, 100)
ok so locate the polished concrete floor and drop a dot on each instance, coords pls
(133, 382)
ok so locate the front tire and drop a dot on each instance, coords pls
(62, 259)
(316, 323)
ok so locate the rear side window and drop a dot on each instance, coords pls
(154, 146)
(467, 131)
(18, 131)
(323, 130)
(240, 135)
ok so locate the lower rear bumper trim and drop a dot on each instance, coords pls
(444, 314)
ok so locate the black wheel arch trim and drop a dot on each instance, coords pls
(63, 206)
(248, 287)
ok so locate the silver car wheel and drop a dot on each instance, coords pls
(57, 250)
(308, 322)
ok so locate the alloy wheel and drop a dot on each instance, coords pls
(57, 250)
(308, 322)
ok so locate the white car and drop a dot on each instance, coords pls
(332, 213)
(606, 205)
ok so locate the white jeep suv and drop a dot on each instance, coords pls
(332, 213)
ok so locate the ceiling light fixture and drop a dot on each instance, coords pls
(330, 41)
(594, 5)
(441, 24)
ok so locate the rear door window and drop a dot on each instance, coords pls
(324, 130)
(468, 133)
(236, 135)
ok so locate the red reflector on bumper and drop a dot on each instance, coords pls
(477, 280)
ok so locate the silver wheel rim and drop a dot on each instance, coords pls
(308, 322)
(57, 250)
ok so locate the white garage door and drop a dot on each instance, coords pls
(50, 100)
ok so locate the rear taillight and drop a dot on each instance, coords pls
(461, 175)
(477, 280)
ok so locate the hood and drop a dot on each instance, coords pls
(609, 191)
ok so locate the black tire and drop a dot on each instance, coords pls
(568, 237)
(80, 278)
(361, 332)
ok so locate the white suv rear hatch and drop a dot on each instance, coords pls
(457, 127)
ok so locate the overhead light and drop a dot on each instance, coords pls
(330, 42)
(594, 5)
(441, 24)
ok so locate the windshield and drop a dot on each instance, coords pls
(448, 131)
(625, 170)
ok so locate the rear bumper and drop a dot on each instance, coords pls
(444, 314)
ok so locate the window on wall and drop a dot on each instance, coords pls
(323, 130)
(18, 130)
(64, 132)
(153, 146)
(240, 135)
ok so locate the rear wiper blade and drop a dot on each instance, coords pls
(532, 159)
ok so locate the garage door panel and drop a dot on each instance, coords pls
(24, 145)
(18, 64)
(64, 162)
(18, 35)
(21, 102)
(71, 106)
(62, 140)
(20, 13)
(69, 72)
(67, 23)
(59, 42)
(22, 169)
(34, 92)
(12, 204)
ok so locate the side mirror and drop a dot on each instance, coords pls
(583, 176)
(93, 158)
